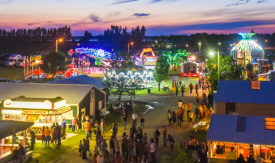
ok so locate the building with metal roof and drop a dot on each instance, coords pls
(83, 99)
(81, 79)
(244, 97)
(240, 129)
(246, 134)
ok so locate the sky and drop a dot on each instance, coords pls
(160, 17)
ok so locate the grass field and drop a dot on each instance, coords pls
(15, 73)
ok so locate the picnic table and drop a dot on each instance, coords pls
(202, 125)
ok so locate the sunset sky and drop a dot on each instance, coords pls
(160, 17)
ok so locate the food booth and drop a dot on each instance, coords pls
(40, 111)
(248, 135)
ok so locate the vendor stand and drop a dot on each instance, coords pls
(40, 111)
(248, 135)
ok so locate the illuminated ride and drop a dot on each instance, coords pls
(147, 59)
(192, 68)
(247, 50)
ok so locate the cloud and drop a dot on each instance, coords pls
(227, 26)
(123, 1)
(94, 18)
(5, 2)
(141, 14)
(153, 1)
(261, 1)
(239, 2)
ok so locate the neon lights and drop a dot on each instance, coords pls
(94, 53)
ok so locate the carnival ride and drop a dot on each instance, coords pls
(247, 50)
(146, 59)
(192, 68)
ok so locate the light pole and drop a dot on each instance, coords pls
(265, 42)
(132, 43)
(211, 53)
(56, 44)
(199, 47)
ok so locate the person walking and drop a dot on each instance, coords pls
(182, 90)
(134, 119)
(197, 87)
(190, 105)
(84, 150)
(77, 123)
(83, 120)
(258, 159)
(250, 159)
(43, 134)
(141, 119)
(153, 151)
(156, 135)
(197, 112)
(63, 127)
(164, 133)
(32, 135)
(112, 147)
(115, 130)
(191, 87)
(47, 136)
(177, 90)
(89, 129)
(190, 117)
(124, 119)
(171, 141)
(179, 116)
(73, 125)
(58, 129)
(80, 147)
(231, 156)
(102, 127)
(198, 98)
(240, 159)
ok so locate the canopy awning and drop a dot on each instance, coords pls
(8, 128)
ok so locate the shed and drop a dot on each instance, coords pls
(243, 97)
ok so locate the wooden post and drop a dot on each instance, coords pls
(12, 141)
(24, 138)
(237, 146)
(209, 149)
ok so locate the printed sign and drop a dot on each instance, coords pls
(65, 110)
(30, 105)
(13, 117)
(35, 112)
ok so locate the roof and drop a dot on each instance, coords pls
(72, 93)
(11, 127)
(81, 79)
(26, 99)
(224, 128)
(239, 91)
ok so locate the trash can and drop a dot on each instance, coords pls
(149, 90)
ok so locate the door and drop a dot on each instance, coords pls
(230, 108)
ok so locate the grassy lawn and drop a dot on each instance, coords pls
(47, 154)
(15, 73)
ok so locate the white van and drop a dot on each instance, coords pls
(13, 60)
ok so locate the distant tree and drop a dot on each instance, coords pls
(53, 62)
(86, 38)
(161, 70)
(229, 70)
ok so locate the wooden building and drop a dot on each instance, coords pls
(241, 97)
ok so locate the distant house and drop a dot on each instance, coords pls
(241, 97)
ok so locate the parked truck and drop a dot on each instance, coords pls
(13, 59)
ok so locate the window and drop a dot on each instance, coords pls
(100, 105)
(255, 85)
(269, 123)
